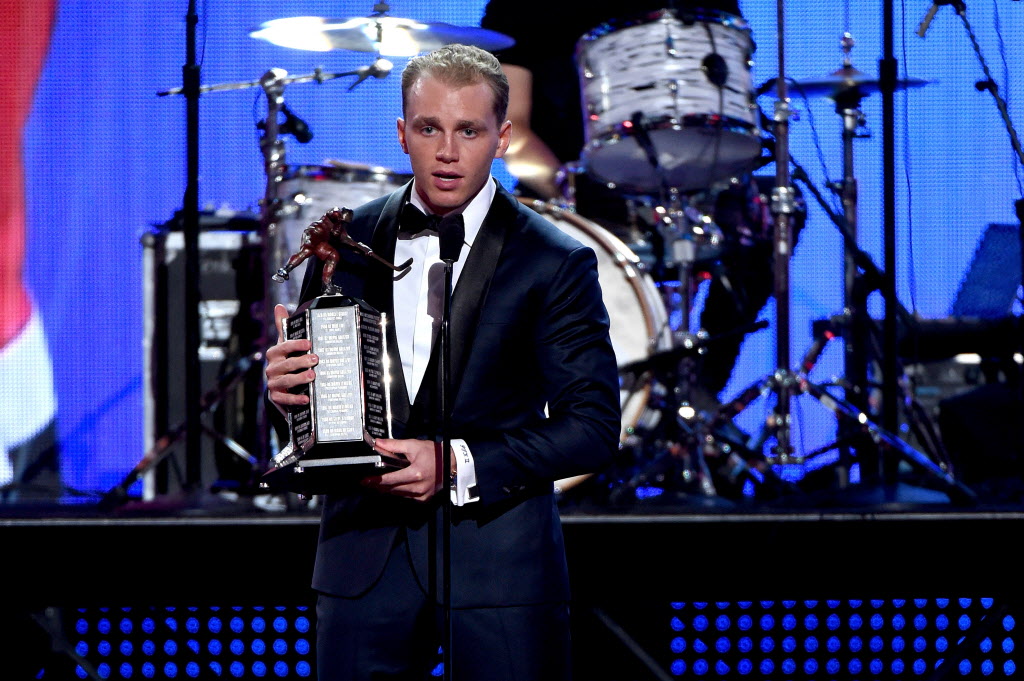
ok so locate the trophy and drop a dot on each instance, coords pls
(331, 438)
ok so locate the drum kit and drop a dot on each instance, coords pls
(672, 126)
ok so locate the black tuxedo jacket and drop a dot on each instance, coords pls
(535, 395)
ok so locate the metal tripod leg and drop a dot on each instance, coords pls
(798, 383)
(117, 494)
(882, 437)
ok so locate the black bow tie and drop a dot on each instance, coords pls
(413, 220)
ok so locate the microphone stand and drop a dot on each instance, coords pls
(888, 467)
(190, 211)
(451, 234)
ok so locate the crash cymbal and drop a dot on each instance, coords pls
(843, 82)
(384, 35)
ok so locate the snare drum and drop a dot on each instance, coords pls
(668, 96)
(309, 191)
(638, 320)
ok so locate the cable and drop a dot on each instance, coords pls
(911, 260)
(1006, 87)
(204, 25)
(817, 141)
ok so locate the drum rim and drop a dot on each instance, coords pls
(625, 260)
(592, 152)
(344, 173)
(687, 122)
(700, 14)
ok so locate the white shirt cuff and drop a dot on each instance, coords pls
(464, 488)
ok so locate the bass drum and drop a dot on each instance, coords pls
(309, 191)
(639, 322)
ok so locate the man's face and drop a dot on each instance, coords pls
(452, 137)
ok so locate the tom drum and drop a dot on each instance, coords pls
(668, 98)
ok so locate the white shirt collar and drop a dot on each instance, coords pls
(473, 215)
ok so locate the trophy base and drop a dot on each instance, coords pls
(312, 476)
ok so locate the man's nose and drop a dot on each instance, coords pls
(447, 149)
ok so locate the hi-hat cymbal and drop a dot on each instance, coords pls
(846, 81)
(384, 35)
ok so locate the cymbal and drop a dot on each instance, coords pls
(842, 82)
(384, 35)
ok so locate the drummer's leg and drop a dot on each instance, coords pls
(740, 286)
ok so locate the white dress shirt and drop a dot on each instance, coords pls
(419, 304)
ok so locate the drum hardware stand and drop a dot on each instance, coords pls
(678, 455)
(783, 207)
(681, 457)
(856, 290)
(918, 420)
(192, 426)
(190, 209)
(858, 287)
(671, 218)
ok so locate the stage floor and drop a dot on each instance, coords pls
(659, 587)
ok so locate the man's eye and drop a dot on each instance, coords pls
(428, 130)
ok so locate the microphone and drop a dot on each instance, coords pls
(452, 233)
(295, 125)
(377, 69)
(643, 139)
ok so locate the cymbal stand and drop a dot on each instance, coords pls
(855, 294)
(273, 149)
(858, 422)
(783, 382)
(783, 207)
(854, 421)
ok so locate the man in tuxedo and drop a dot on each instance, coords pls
(534, 399)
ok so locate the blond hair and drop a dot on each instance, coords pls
(460, 65)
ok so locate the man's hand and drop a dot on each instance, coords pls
(420, 480)
(284, 372)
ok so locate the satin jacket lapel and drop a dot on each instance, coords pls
(385, 235)
(475, 278)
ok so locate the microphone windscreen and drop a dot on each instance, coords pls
(452, 233)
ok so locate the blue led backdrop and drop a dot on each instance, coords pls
(105, 161)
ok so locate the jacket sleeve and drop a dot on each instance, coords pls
(577, 377)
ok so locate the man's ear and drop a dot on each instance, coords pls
(504, 137)
(401, 135)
